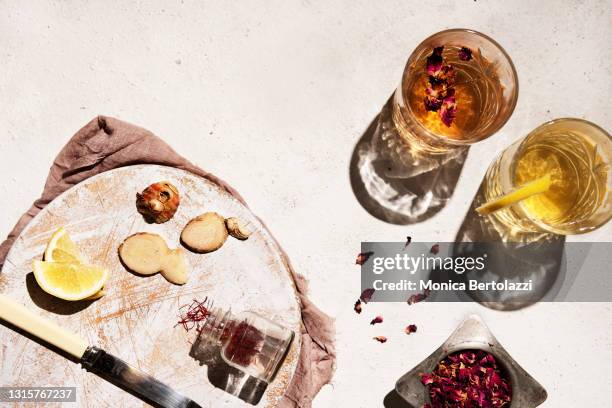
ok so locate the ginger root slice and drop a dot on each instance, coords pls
(143, 253)
(237, 228)
(205, 233)
(174, 268)
(146, 254)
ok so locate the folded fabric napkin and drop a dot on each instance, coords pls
(106, 143)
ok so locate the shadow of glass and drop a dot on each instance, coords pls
(394, 400)
(226, 377)
(512, 256)
(385, 186)
(51, 303)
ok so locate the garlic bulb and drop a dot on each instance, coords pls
(158, 202)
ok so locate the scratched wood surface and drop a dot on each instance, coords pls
(136, 319)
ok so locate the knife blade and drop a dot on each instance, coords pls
(94, 359)
(121, 374)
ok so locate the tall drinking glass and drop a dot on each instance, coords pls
(458, 87)
(574, 158)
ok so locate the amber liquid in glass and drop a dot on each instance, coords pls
(578, 172)
(478, 94)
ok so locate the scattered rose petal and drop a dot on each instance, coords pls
(465, 54)
(468, 378)
(363, 257)
(408, 241)
(448, 110)
(376, 320)
(411, 328)
(357, 307)
(380, 339)
(366, 295)
(418, 297)
(435, 249)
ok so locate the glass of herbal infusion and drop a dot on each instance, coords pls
(458, 87)
(557, 179)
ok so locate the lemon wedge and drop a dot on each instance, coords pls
(62, 249)
(69, 280)
(537, 186)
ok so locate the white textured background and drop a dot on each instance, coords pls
(272, 96)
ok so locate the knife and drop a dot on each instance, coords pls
(94, 359)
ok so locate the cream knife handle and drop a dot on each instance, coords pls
(40, 327)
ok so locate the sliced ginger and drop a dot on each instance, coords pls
(146, 254)
(205, 233)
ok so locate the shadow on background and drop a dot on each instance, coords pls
(381, 190)
(532, 256)
(51, 303)
(511, 256)
(225, 377)
(394, 400)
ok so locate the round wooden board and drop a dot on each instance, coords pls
(136, 320)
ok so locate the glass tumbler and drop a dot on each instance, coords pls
(577, 156)
(458, 87)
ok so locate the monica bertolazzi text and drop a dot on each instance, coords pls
(471, 284)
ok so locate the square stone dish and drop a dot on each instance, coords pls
(472, 333)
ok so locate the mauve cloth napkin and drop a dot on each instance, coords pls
(106, 143)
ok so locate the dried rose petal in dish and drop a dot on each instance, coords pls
(468, 379)
(380, 339)
(411, 328)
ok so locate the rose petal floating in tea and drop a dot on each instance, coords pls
(376, 320)
(435, 61)
(435, 249)
(363, 257)
(440, 94)
(411, 328)
(448, 110)
(466, 379)
(447, 76)
(357, 307)
(432, 103)
(380, 339)
(367, 294)
(465, 54)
